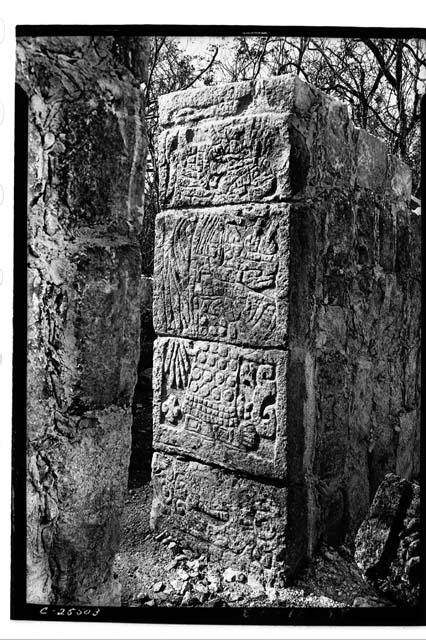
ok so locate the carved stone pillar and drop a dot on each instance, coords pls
(276, 254)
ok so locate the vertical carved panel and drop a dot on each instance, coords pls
(222, 274)
(222, 404)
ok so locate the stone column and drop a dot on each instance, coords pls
(85, 197)
(277, 216)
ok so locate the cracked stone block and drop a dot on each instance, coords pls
(235, 519)
(221, 403)
(222, 274)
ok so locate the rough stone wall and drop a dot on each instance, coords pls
(85, 207)
(287, 298)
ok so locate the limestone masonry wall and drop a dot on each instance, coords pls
(287, 304)
(85, 194)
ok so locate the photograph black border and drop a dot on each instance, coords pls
(19, 608)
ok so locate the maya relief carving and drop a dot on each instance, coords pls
(218, 162)
(216, 277)
(214, 507)
(221, 395)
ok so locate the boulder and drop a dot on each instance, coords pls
(388, 540)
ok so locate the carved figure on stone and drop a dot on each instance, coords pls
(234, 165)
(216, 277)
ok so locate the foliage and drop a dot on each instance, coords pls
(382, 81)
(170, 69)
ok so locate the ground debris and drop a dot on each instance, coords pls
(183, 575)
(189, 579)
(230, 575)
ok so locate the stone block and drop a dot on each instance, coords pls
(379, 171)
(232, 518)
(372, 166)
(277, 140)
(73, 526)
(195, 105)
(221, 404)
(399, 179)
(405, 571)
(222, 274)
(380, 526)
(244, 159)
(408, 444)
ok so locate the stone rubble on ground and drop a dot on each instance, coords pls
(332, 581)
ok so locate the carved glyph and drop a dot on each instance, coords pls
(224, 162)
(233, 517)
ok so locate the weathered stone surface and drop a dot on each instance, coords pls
(222, 274)
(224, 162)
(272, 140)
(345, 310)
(236, 519)
(268, 141)
(354, 311)
(405, 574)
(388, 541)
(367, 311)
(83, 299)
(382, 523)
(86, 134)
(86, 156)
(73, 511)
(221, 404)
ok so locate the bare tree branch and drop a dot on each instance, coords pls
(154, 62)
(420, 61)
(260, 58)
(204, 70)
(376, 51)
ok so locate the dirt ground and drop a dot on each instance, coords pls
(155, 570)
